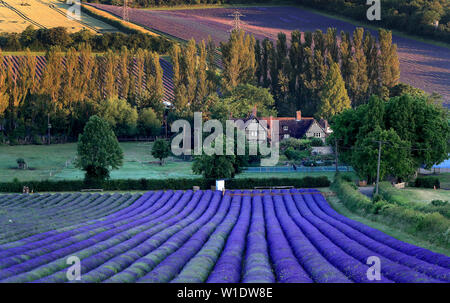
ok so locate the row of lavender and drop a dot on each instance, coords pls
(203, 236)
(26, 215)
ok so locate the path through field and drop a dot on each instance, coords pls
(423, 65)
(204, 236)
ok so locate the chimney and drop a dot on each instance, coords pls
(326, 125)
(254, 111)
(299, 115)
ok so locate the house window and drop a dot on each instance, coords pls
(254, 133)
(285, 128)
(318, 135)
(286, 136)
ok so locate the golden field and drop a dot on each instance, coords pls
(15, 16)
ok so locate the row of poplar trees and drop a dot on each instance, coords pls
(301, 75)
(201, 73)
(75, 85)
(313, 72)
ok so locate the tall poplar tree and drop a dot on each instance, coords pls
(333, 96)
(4, 97)
(238, 57)
(372, 60)
(358, 87)
(389, 63)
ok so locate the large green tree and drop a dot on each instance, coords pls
(396, 158)
(413, 131)
(219, 166)
(98, 151)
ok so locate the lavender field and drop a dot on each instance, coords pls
(423, 65)
(204, 236)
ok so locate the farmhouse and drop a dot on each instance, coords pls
(258, 129)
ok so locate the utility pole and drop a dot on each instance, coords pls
(378, 165)
(336, 154)
(49, 126)
(165, 119)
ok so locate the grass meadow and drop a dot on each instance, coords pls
(56, 162)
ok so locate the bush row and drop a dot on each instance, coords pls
(427, 182)
(433, 227)
(158, 184)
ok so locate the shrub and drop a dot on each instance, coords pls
(21, 163)
(439, 203)
(347, 178)
(391, 194)
(316, 142)
(427, 182)
(292, 154)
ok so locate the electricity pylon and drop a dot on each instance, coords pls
(125, 11)
(237, 22)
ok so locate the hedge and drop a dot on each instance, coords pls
(427, 182)
(115, 22)
(157, 184)
(430, 226)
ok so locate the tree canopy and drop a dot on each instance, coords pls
(414, 131)
(98, 150)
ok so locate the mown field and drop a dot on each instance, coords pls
(423, 65)
(56, 162)
(423, 195)
(15, 17)
(243, 236)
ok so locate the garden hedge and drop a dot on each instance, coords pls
(427, 182)
(157, 184)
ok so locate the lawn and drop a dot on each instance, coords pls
(56, 162)
(419, 195)
(424, 195)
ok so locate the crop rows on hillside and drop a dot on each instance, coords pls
(41, 61)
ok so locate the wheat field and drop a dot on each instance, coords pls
(16, 15)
